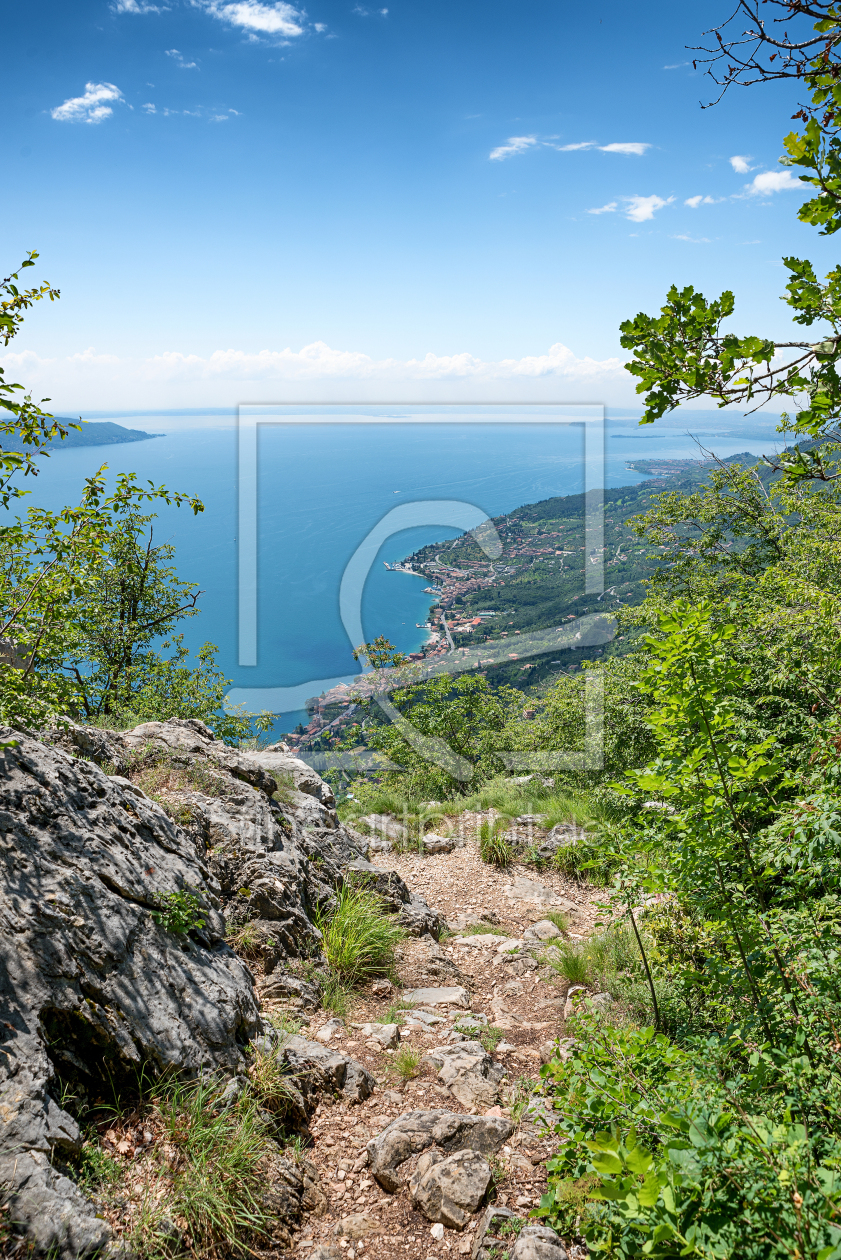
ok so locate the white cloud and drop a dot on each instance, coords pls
(224, 377)
(771, 182)
(608, 209)
(740, 164)
(136, 6)
(150, 108)
(363, 12)
(179, 60)
(274, 18)
(90, 108)
(518, 144)
(633, 147)
(677, 65)
(515, 144)
(700, 200)
(694, 240)
(641, 208)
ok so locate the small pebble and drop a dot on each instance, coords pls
(437, 1232)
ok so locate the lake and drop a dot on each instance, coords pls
(324, 481)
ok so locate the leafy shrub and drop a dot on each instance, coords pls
(179, 913)
(359, 940)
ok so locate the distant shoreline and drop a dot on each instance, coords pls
(93, 433)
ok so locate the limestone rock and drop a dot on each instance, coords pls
(523, 889)
(450, 1189)
(536, 1242)
(325, 1070)
(357, 1225)
(386, 826)
(433, 843)
(412, 911)
(387, 1035)
(303, 993)
(328, 1031)
(415, 1131)
(488, 1225)
(447, 996)
(93, 986)
(543, 930)
(470, 1074)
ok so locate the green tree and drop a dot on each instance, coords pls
(25, 424)
(84, 592)
(685, 352)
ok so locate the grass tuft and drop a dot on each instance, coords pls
(359, 939)
(246, 940)
(572, 963)
(272, 1085)
(493, 847)
(407, 1061)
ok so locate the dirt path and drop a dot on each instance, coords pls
(522, 997)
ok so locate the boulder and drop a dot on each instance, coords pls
(536, 1242)
(450, 1188)
(433, 843)
(415, 1131)
(325, 1070)
(470, 1074)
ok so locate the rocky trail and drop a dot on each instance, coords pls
(414, 1124)
(453, 991)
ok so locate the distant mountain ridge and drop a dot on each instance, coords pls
(93, 433)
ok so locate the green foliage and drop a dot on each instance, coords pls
(484, 929)
(26, 424)
(179, 913)
(444, 732)
(380, 654)
(491, 1037)
(359, 939)
(95, 1170)
(271, 1084)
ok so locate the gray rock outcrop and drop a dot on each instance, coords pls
(90, 985)
(96, 827)
(469, 1072)
(450, 1188)
(416, 1131)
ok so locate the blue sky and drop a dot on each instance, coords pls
(252, 200)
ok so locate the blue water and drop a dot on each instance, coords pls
(321, 488)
